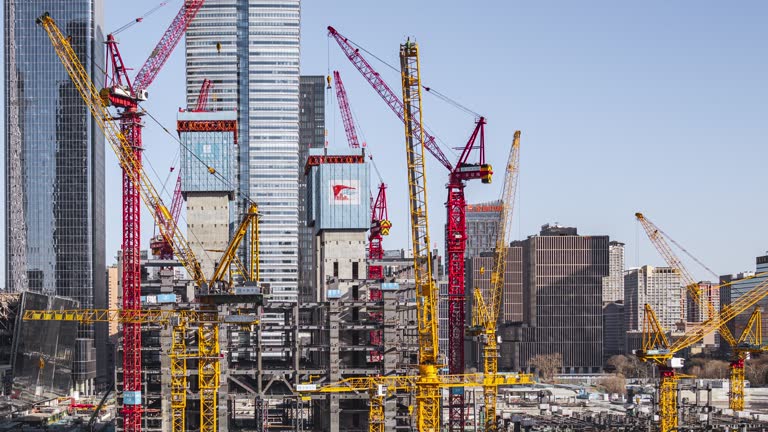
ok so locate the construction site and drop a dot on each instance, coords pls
(198, 338)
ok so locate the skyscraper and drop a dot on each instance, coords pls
(613, 284)
(311, 135)
(482, 225)
(562, 298)
(657, 286)
(54, 162)
(249, 49)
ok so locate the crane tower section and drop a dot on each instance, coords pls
(428, 390)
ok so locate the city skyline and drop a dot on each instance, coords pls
(636, 110)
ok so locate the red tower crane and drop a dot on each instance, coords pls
(380, 226)
(346, 112)
(456, 231)
(125, 95)
(202, 98)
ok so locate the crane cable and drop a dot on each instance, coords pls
(139, 19)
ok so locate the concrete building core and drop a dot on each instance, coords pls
(208, 179)
(339, 213)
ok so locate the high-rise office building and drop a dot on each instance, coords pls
(482, 225)
(311, 135)
(660, 288)
(249, 49)
(710, 293)
(54, 165)
(613, 284)
(742, 283)
(563, 298)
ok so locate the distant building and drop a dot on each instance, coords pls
(311, 136)
(613, 284)
(614, 332)
(710, 293)
(208, 142)
(657, 286)
(482, 226)
(741, 284)
(562, 299)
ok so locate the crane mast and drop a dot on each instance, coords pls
(489, 313)
(427, 387)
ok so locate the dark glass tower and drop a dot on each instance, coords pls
(311, 135)
(54, 161)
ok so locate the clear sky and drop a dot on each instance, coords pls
(652, 106)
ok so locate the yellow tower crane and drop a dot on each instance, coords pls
(209, 351)
(747, 342)
(657, 349)
(427, 386)
(485, 315)
(379, 387)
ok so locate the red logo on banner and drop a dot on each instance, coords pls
(341, 192)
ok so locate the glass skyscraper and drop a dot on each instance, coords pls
(249, 49)
(54, 161)
(311, 135)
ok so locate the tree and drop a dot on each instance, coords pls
(630, 366)
(615, 384)
(546, 364)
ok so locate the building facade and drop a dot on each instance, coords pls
(710, 293)
(660, 288)
(54, 165)
(614, 333)
(249, 49)
(613, 284)
(482, 226)
(741, 284)
(311, 136)
(562, 298)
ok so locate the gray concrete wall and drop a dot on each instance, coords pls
(208, 227)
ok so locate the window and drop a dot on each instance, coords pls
(336, 269)
(354, 271)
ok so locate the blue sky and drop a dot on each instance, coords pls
(653, 106)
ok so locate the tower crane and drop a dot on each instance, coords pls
(202, 97)
(742, 347)
(456, 231)
(346, 112)
(750, 342)
(692, 288)
(427, 388)
(659, 350)
(485, 316)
